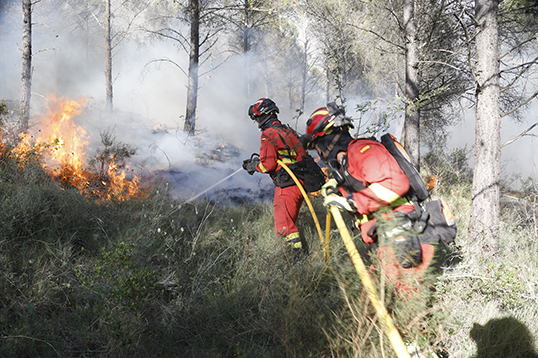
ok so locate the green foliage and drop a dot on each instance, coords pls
(505, 284)
(450, 168)
(113, 154)
(127, 285)
(35, 208)
(481, 288)
(377, 118)
(523, 13)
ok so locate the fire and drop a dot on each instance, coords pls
(433, 182)
(67, 140)
(61, 143)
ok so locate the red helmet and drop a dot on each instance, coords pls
(325, 120)
(262, 107)
(319, 123)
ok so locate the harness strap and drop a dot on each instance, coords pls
(289, 158)
(325, 154)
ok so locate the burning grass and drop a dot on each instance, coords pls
(61, 147)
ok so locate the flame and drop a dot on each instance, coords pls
(433, 182)
(61, 143)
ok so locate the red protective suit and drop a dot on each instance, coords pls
(385, 185)
(278, 142)
(371, 163)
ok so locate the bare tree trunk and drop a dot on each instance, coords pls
(108, 58)
(328, 84)
(246, 45)
(343, 74)
(304, 70)
(411, 129)
(484, 224)
(192, 90)
(26, 73)
(289, 87)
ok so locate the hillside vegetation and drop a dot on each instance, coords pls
(149, 277)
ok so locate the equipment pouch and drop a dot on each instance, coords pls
(442, 220)
(408, 250)
(282, 179)
(399, 234)
(308, 171)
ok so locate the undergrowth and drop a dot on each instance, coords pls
(149, 277)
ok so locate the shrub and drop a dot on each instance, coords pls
(449, 169)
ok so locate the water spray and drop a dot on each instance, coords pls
(211, 187)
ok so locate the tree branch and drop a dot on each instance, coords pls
(217, 66)
(180, 40)
(378, 35)
(518, 46)
(528, 64)
(96, 19)
(468, 43)
(169, 61)
(444, 64)
(521, 135)
(520, 105)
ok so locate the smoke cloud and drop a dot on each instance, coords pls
(150, 98)
(149, 101)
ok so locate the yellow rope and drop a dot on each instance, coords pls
(390, 329)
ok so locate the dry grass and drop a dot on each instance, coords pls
(149, 278)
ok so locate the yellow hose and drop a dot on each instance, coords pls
(392, 332)
(305, 197)
(327, 244)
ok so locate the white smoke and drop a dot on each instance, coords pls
(150, 97)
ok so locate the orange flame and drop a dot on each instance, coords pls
(62, 144)
(433, 182)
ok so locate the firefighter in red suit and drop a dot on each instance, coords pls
(372, 187)
(278, 142)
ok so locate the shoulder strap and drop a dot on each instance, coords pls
(349, 181)
(330, 147)
(418, 187)
(287, 148)
(279, 126)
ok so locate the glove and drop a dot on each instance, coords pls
(368, 230)
(329, 188)
(250, 165)
(338, 201)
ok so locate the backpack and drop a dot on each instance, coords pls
(434, 218)
(420, 190)
(306, 169)
(441, 221)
